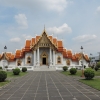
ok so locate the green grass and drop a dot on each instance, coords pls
(10, 74)
(79, 73)
(4, 83)
(95, 83)
(97, 73)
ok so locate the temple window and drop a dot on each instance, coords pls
(68, 62)
(28, 60)
(59, 60)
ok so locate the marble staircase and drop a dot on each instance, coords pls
(45, 68)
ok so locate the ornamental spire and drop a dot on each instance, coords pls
(44, 27)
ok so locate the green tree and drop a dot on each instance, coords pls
(98, 64)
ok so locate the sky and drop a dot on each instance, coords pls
(75, 22)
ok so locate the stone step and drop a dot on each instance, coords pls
(45, 68)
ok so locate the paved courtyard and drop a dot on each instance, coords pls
(47, 86)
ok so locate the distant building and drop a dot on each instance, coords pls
(43, 51)
(94, 60)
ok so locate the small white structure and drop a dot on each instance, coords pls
(43, 52)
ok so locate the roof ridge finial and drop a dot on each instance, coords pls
(44, 27)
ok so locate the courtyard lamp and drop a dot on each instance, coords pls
(5, 48)
(90, 59)
(82, 62)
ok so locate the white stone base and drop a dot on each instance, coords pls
(44, 68)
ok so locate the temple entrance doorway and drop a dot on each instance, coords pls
(44, 58)
(44, 61)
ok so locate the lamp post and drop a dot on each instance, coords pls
(82, 62)
(5, 47)
(90, 59)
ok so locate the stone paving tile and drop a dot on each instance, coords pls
(55, 98)
(97, 93)
(41, 98)
(48, 86)
(30, 95)
(14, 98)
(29, 98)
(17, 95)
(68, 98)
(5, 96)
(82, 98)
(65, 93)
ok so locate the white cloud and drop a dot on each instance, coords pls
(21, 20)
(61, 29)
(85, 38)
(15, 39)
(56, 5)
(98, 9)
(27, 36)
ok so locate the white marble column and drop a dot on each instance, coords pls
(38, 59)
(50, 57)
(34, 58)
(62, 60)
(53, 58)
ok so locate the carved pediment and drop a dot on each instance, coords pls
(4, 57)
(44, 41)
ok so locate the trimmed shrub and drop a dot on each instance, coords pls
(3, 76)
(96, 68)
(73, 71)
(98, 64)
(16, 71)
(84, 66)
(89, 74)
(6, 66)
(24, 69)
(92, 66)
(65, 68)
(0, 67)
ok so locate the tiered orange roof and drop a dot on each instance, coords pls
(37, 38)
(51, 38)
(12, 57)
(69, 54)
(55, 41)
(86, 57)
(74, 58)
(27, 45)
(60, 46)
(8, 54)
(18, 54)
(22, 52)
(32, 42)
(0, 55)
(64, 53)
